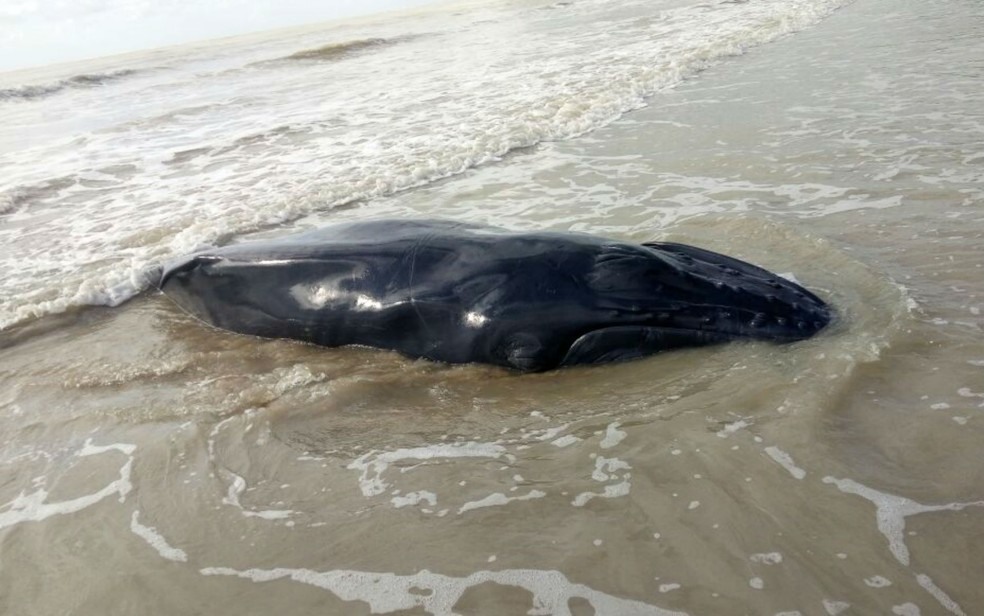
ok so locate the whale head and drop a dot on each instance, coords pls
(665, 295)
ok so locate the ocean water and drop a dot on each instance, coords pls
(153, 465)
(160, 155)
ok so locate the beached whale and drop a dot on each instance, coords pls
(462, 293)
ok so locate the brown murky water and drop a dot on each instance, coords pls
(151, 465)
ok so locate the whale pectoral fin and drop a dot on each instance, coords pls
(609, 345)
(613, 344)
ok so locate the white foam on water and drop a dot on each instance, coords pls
(784, 460)
(88, 449)
(437, 594)
(877, 581)
(613, 436)
(891, 512)
(808, 200)
(606, 469)
(614, 490)
(373, 464)
(966, 392)
(155, 540)
(414, 498)
(565, 441)
(861, 202)
(34, 507)
(191, 160)
(949, 604)
(237, 485)
(499, 499)
(733, 427)
(835, 607)
(214, 433)
(766, 558)
(551, 433)
(756, 583)
(906, 609)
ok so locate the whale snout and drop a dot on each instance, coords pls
(784, 320)
(741, 300)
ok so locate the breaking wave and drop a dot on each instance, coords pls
(228, 163)
(338, 51)
(87, 80)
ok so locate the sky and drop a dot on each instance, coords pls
(41, 32)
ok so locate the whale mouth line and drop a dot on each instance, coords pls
(737, 323)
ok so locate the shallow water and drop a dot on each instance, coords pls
(154, 465)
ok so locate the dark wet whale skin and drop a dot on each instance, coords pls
(462, 293)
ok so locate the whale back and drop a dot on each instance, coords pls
(468, 293)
